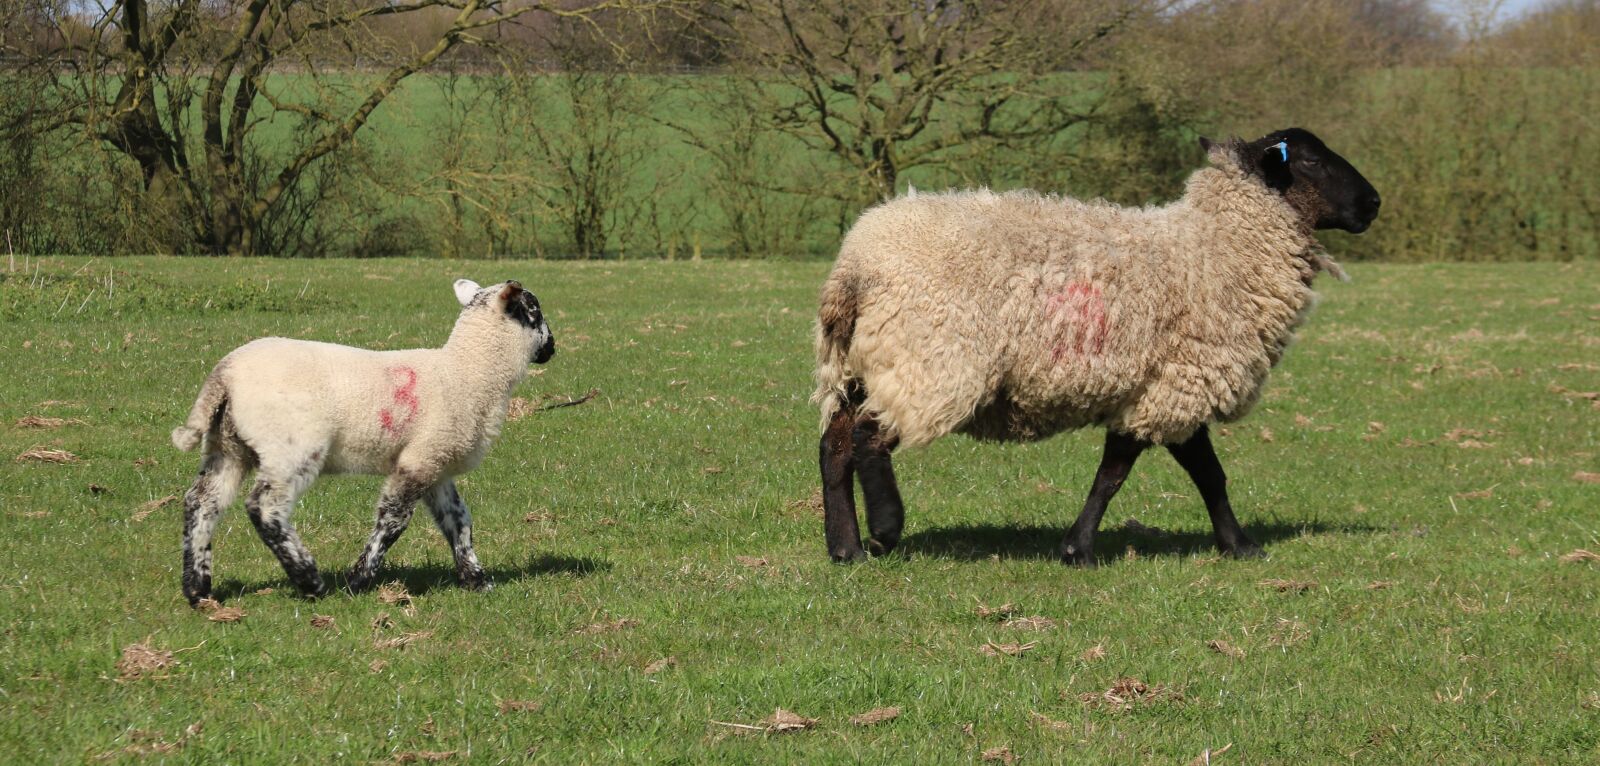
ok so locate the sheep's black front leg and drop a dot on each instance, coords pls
(837, 460)
(886, 514)
(268, 506)
(400, 495)
(1198, 458)
(455, 522)
(1115, 462)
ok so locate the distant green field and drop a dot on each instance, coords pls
(1417, 472)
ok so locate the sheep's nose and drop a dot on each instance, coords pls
(1374, 201)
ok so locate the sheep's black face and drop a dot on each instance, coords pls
(1325, 188)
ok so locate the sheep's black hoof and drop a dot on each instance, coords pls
(1079, 556)
(848, 555)
(196, 588)
(1245, 551)
(882, 547)
(316, 590)
(475, 581)
(357, 583)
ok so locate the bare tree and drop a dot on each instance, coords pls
(888, 85)
(181, 88)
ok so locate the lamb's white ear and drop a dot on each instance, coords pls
(465, 289)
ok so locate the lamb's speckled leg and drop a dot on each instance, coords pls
(456, 523)
(213, 491)
(1198, 458)
(837, 460)
(1115, 463)
(270, 502)
(400, 494)
(886, 513)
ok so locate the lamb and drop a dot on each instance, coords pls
(295, 409)
(1016, 316)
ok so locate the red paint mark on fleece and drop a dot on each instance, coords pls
(1078, 319)
(395, 420)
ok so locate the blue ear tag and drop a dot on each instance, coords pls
(1283, 148)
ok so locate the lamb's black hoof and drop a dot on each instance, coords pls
(882, 547)
(475, 581)
(848, 555)
(315, 590)
(196, 589)
(1079, 556)
(1245, 551)
(357, 583)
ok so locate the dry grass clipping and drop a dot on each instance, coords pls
(1126, 692)
(660, 665)
(1587, 477)
(519, 706)
(1284, 586)
(1001, 753)
(1224, 648)
(216, 612)
(992, 649)
(1204, 758)
(394, 593)
(812, 504)
(148, 743)
(1035, 622)
(750, 561)
(146, 509)
(607, 627)
(39, 454)
(37, 421)
(142, 661)
(1580, 555)
(403, 640)
(321, 621)
(425, 756)
(998, 613)
(876, 716)
(1094, 653)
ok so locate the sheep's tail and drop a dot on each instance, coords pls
(213, 394)
(836, 325)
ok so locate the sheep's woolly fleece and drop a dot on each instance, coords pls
(1015, 316)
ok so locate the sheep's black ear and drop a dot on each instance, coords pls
(510, 291)
(1206, 144)
(1274, 166)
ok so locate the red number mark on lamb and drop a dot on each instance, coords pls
(395, 419)
(1077, 318)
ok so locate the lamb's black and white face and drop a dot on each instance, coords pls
(1325, 188)
(514, 304)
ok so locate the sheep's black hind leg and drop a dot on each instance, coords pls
(269, 505)
(837, 459)
(212, 492)
(1115, 462)
(455, 522)
(1198, 458)
(399, 498)
(886, 514)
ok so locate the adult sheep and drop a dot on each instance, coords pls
(294, 409)
(1015, 316)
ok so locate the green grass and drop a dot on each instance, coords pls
(701, 448)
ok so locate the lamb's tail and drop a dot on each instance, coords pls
(213, 394)
(836, 325)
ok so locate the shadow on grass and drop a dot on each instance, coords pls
(982, 541)
(423, 578)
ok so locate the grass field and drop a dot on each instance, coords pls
(1419, 468)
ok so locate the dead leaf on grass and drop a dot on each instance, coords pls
(1380, 585)
(1002, 754)
(1126, 692)
(46, 455)
(750, 561)
(1580, 555)
(403, 640)
(875, 716)
(394, 593)
(143, 661)
(519, 706)
(1224, 648)
(377, 666)
(622, 623)
(381, 622)
(997, 613)
(992, 649)
(1284, 586)
(660, 665)
(1093, 654)
(1043, 721)
(321, 621)
(539, 517)
(812, 503)
(1036, 622)
(146, 509)
(1587, 477)
(1266, 435)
